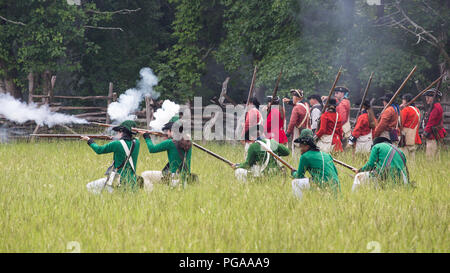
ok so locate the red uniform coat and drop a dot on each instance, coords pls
(388, 121)
(343, 109)
(362, 127)
(274, 126)
(327, 121)
(297, 116)
(253, 118)
(436, 118)
(410, 119)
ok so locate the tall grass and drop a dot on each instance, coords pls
(45, 205)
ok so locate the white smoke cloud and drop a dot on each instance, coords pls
(129, 102)
(164, 114)
(21, 112)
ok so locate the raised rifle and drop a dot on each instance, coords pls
(332, 89)
(364, 96)
(397, 92)
(275, 90)
(425, 90)
(72, 136)
(250, 93)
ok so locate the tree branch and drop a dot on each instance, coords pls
(11, 21)
(105, 28)
(122, 11)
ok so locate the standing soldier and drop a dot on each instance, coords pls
(388, 126)
(122, 173)
(300, 116)
(179, 155)
(319, 164)
(252, 118)
(361, 136)
(275, 120)
(259, 162)
(329, 134)
(434, 129)
(343, 109)
(316, 110)
(410, 119)
(386, 162)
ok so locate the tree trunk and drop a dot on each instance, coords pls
(2, 86)
(8, 82)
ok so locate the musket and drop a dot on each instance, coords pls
(278, 158)
(72, 136)
(345, 165)
(250, 93)
(436, 137)
(398, 91)
(423, 91)
(332, 89)
(364, 96)
(275, 90)
(162, 135)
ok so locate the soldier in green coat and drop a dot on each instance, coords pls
(179, 151)
(122, 147)
(319, 164)
(386, 162)
(258, 161)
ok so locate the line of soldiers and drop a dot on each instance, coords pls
(386, 162)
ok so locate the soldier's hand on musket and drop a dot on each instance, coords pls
(85, 138)
(286, 100)
(235, 166)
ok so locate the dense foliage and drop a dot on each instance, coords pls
(193, 45)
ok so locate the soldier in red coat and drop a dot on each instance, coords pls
(410, 119)
(300, 118)
(434, 129)
(343, 109)
(362, 135)
(275, 120)
(329, 135)
(253, 117)
(388, 126)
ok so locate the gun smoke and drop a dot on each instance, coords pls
(21, 112)
(164, 114)
(128, 103)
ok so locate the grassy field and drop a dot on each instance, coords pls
(45, 206)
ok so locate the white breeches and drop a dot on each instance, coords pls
(151, 177)
(241, 174)
(298, 185)
(247, 145)
(97, 186)
(364, 144)
(364, 178)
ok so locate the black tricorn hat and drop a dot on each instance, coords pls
(379, 140)
(341, 89)
(387, 97)
(332, 102)
(407, 97)
(430, 93)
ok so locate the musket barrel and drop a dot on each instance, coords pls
(364, 96)
(345, 165)
(332, 89)
(71, 136)
(213, 154)
(423, 91)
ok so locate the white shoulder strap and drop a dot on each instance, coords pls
(334, 129)
(265, 146)
(306, 115)
(418, 116)
(127, 153)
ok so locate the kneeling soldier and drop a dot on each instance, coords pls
(319, 164)
(179, 155)
(123, 170)
(386, 162)
(259, 162)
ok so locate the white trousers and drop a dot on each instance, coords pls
(96, 186)
(151, 177)
(298, 185)
(364, 178)
(241, 174)
(364, 143)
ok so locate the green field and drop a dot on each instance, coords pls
(45, 206)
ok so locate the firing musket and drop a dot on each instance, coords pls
(364, 96)
(353, 169)
(332, 89)
(397, 92)
(165, 135)
(275, 90)
(104, 137)
(423, 91)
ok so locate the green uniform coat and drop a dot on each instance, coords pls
(126, 173)
(323, 171)
(172, 153)
(378, 159)
(256, 155)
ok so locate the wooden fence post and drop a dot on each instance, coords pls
(110, 99)
(148, 111)
(30, 87)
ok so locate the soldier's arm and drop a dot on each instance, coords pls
(103, 149)
(251, 157)
(161, 147)
(300, 173)
(293, 120)
(282, 150)
(370, 165)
